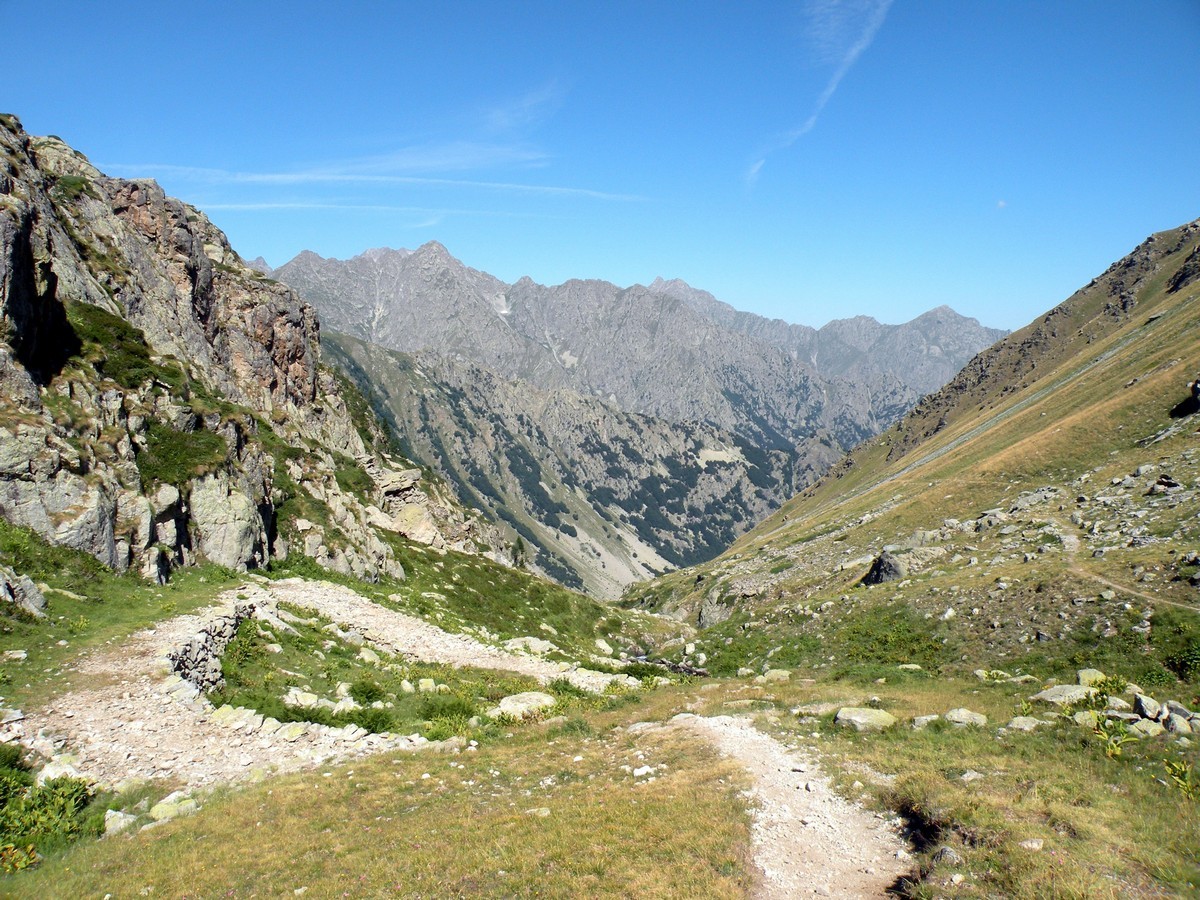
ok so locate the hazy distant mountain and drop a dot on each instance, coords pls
(665, 351)
(924, 353)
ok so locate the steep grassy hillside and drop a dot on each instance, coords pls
(1036, 518)
(1062, 457)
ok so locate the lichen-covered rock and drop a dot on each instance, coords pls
(864, 718)
(229, 530)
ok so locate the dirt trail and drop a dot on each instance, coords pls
(807, 840)
(136, 722)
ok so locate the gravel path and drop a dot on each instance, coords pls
(807, 840)
(135, 721)
(414, 637)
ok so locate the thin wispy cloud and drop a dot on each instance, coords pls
(839, 32)
(527, 110)
(352, 174)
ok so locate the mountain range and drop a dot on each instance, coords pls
(746, 409)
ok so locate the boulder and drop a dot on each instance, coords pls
(21, 592)
(1089, 677)
(1024, 723)
(530, 645)
(1064, 694)
(116, 822)
(1146, 728)
(864, 719)
(1146, 707)
(962, 717)
(522, 706)
(885, 567)
(1177, 724)
(776, 676)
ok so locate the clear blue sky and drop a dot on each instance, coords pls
(805, 160)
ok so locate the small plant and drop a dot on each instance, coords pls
(1114, 734)
(1183, 776)
(1105, 689)
(14, 858)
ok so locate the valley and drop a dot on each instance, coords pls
(870, 610)
(660, 422)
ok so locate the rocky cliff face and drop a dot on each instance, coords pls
(162, 402)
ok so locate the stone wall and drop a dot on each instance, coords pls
(199, 660)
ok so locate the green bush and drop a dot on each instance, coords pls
(445, 706)
(366, 692)
(373, 720)
(34, 819)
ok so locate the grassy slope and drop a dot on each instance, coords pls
(1077, 400)
(1035, 411)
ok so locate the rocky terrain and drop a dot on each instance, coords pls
(736, 412)
(164, 403)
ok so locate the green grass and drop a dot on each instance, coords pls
(257, 678)
(115, 348)
(460, 592)
(547, 812)
(176, 457)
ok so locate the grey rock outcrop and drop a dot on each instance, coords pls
(229, 528)
(151, 385)
(20, 591)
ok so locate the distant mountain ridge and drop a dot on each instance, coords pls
(477, 362)
(666, 349)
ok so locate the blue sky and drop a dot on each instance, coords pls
(808, 160)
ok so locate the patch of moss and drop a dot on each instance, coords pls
(115, 348)
(176, 457)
